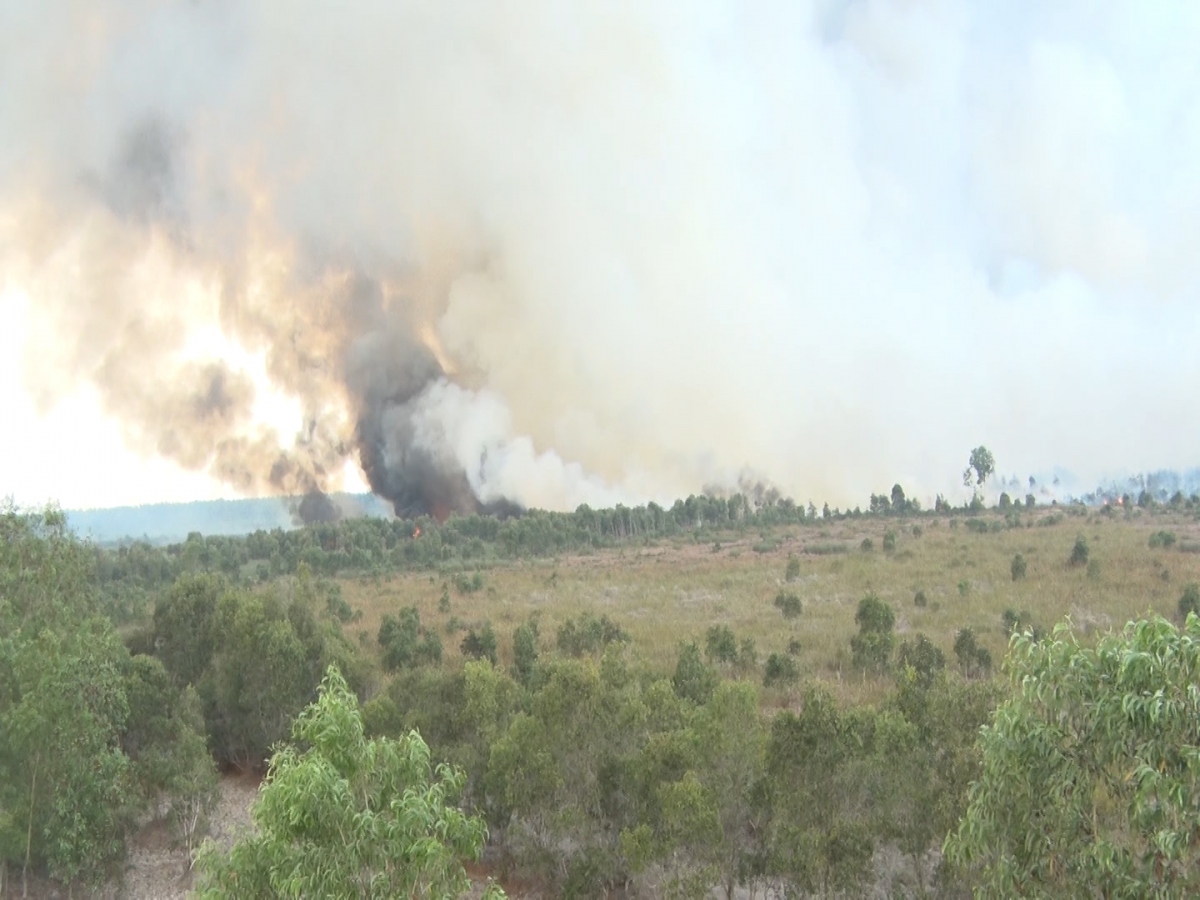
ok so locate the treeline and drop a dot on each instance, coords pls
(131, 575)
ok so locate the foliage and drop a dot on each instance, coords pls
(1018, 567)
(1162, 539)
(1079, 552)
(980, 467)
(872, 646)
(693, 680)
(1189, 601)
(793, 568)
(480, 644)
(1091, 769)
(923, 657)
(780, 669)
(589, 634)
(525, 652)
(344, 816)
(90, 739)
(405, 643)
(789, 604)
(973, 659)
(720, 644)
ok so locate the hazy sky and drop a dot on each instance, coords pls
(654, 245)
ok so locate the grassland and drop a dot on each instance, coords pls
(671, 591)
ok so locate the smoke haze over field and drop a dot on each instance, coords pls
(600, 252)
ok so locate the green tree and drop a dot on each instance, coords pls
(980, 466)
(1079, 552)
(693, 680)
(344, 816)
(789, 604)
(1090, 781)
(872, 646)
(720, 644)
(793, 568)
(525, 652)
(1189, 601)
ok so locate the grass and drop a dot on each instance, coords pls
(669, 593)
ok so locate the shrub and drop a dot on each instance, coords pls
(867, 545)
(588, 635)
(693, 680)
(919, 599)
(1189, 601)
(793, 647)
(789, 604)
(1018, 567)
(889, 540)
(1079, 553)
(481, 644)
(780, 669)
(793, 568)
(1162, 539)
(872, 646)
(720, 645)
(923, 657)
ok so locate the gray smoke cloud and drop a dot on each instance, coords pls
(525, 253)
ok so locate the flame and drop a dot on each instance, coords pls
(416, 532)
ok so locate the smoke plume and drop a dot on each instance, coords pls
(535, 254)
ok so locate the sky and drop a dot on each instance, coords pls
(605, 252)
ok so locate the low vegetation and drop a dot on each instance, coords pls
(622, 700)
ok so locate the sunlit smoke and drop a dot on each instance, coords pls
(540, 255)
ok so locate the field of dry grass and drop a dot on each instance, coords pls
(673, 591)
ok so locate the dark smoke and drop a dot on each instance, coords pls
(386, 371)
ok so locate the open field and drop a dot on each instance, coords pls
(672, 591)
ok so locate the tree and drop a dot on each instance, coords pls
(789, 604)
(1189, 601)
(720, 644)
(979, 468)
(872, 646)
(1079, 552)
(923, 657)
(693, 680)
(1090, 782)
(525, 652)
(793, 568)
(349, 817)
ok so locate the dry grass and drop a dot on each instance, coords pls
(674, 591)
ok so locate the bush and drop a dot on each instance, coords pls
(923, 657)
(693, 680)
(788, 604)
(1079, 553)
(919, 599)
(481, 644)
(720, 645)
(971, 657)
(405, 643)
(1018, 567)
(588, 635)
(1162, 539)
(889, 540)
(872, 646)
(793, 568)
(867, 545)
(1189, 601)
(780, 669)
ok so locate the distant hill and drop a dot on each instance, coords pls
(162, 523)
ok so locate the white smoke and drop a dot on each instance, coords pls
(657, 242)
